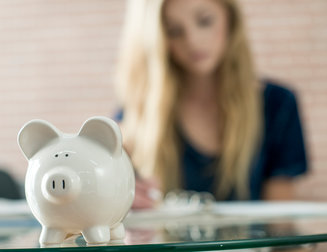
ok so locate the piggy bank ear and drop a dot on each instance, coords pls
(105, 132)
(34, 135)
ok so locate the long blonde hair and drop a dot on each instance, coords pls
(149, 90)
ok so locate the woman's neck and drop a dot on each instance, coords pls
(201, 87)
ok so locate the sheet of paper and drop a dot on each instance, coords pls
(231, 210)
(13, 208)
(271, 209)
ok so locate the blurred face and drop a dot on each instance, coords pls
(197, 33)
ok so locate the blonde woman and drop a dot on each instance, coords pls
(194, 114)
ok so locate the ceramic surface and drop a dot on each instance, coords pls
(78, 183)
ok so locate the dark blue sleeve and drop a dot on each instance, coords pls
(287, 153)
(119, 115)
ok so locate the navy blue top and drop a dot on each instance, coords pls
(282, 152)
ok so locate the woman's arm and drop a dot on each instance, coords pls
(279, 188)
(286, 150)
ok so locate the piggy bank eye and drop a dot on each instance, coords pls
(56, 155)
(66, 155)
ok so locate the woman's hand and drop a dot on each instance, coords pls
(147, 194)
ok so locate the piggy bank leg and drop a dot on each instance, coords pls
(97, 235)
(118, 233)
(51, 236)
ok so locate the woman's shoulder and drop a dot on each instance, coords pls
(277, 91)
(277, 96)
(280, 108)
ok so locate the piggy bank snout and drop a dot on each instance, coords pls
(60, 185)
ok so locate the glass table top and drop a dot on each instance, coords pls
(233, 225)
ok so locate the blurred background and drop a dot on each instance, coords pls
(58, 57)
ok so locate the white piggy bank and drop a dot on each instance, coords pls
(78, 183)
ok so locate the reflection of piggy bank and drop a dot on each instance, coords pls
(78, 183)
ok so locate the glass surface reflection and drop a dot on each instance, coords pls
(186, 227)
